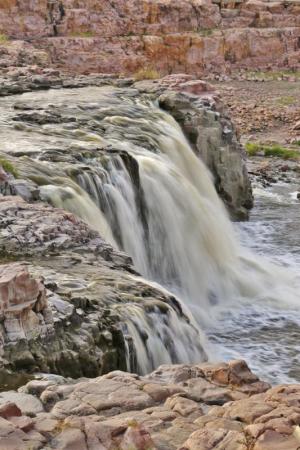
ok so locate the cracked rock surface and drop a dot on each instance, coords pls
(65, 305)
(194, 407)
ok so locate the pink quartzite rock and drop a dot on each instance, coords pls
(9, 409)
(19, 291)
(192, 36)
(22, 298)
(124, 411)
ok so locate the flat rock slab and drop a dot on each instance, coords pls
(124, 411)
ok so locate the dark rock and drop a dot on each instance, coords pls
(214, 139)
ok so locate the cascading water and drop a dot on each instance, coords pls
(149, 194)
(173, 225)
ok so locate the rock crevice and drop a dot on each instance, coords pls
(192, 36)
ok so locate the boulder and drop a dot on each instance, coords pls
(19, 290)
(28, 404)
(23, 303)
(118, 411)
(214, 139)
(9, 409)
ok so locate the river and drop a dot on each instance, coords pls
(268, 335)
(238, 283)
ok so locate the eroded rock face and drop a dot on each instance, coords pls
(18, 289)
(74, 322)
(213, 137)
(45, 335)
(193, 36)
(23, 303)
(204, 406)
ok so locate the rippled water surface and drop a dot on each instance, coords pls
(267, 335)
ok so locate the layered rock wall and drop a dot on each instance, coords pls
(192, 36)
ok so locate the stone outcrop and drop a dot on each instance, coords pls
(22, 300)
(18, 289)
(192, 36)
(73, 322)
(213, 137)
(194, 407)
(49, 338)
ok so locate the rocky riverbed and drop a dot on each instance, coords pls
(74, 308)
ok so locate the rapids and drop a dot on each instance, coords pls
(153, 198)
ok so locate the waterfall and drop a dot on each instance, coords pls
(173, 224)
(150, 195)
(159, 336)
(75, 200)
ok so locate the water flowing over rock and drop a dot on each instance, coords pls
(131, 159)
(114, 158)
(91, 313)
(101, 153)
(217, 145)
(116, 246)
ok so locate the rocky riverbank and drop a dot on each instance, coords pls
(72, 304)
(186, 407)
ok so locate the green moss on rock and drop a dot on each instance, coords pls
(8, 167)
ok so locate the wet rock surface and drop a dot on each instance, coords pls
(204, 406)
(265, 172)
(193, 103)
(66, 308)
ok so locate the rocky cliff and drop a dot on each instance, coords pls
(191, 36)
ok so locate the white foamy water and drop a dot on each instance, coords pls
(159, 204)
(263, 331)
